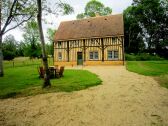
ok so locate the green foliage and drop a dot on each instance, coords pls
(50, 36)
(51, 33)
(147, 19)
(132, 32)
(20, 49)
(24, 81)
(16, 12)
(31, 39)
(94, 7)
(9, 47)
(33, 50)
(142, 57)
(80, 16)
(66, 8)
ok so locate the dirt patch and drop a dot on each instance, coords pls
(124, 98)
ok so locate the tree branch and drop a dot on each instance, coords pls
(19, 14)
(17, 24)
(9, 19)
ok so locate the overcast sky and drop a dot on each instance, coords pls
(117, 7)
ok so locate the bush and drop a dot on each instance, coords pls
(130, 57)
(142, 57)
(8, 55)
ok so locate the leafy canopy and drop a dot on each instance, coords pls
(132, 32)
(146, 21)
(9, 47)
(32, 40)
(16, 12)
(93, 8)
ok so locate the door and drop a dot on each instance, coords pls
(79, 58)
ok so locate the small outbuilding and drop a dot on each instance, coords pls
(93, 41)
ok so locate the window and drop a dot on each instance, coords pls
(59, 56)
(94, 55)
(112, 55)
(115, 54)
(91, 55)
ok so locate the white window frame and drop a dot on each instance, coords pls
(113, 55)
(94, 55)
(116, 58)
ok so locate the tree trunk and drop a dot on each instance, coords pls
(1, 54)
(1, 58)
(45, 62)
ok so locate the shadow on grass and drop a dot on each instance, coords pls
(10, 95)
(39, 90)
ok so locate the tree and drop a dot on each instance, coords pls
(66, 10)
(51, 33)
(13, 13)
(132, 32)
(9, 47)
(94, 7)
(20, 49)
(32, 40)
(153, 17)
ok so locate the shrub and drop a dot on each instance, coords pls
(130, 57)
(8, 55)
(142, 57)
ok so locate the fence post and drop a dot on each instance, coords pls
(13, 63)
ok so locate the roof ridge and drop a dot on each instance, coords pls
(90, 18)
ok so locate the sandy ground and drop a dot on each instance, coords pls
(124, 99)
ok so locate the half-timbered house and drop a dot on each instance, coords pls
(92, 41)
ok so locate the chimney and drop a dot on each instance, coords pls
(97, 14)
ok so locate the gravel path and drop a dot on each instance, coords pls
(124, 99)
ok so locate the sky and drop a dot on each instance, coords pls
(117, 7)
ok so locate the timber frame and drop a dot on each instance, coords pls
(74, 46)
(101, 45)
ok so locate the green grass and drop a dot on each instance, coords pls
(25, 61)
(163, 80)
(158, 69)
(24, 81)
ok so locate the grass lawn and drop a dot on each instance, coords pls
(24, 81)
(158, 69)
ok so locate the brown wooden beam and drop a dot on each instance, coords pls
(102, 44)
(84, 49)
(68, 51)
(123, 54)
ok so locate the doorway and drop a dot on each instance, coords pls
(79, 58)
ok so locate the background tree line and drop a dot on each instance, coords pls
(145, 30)
(30, 45)
(145, 26)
